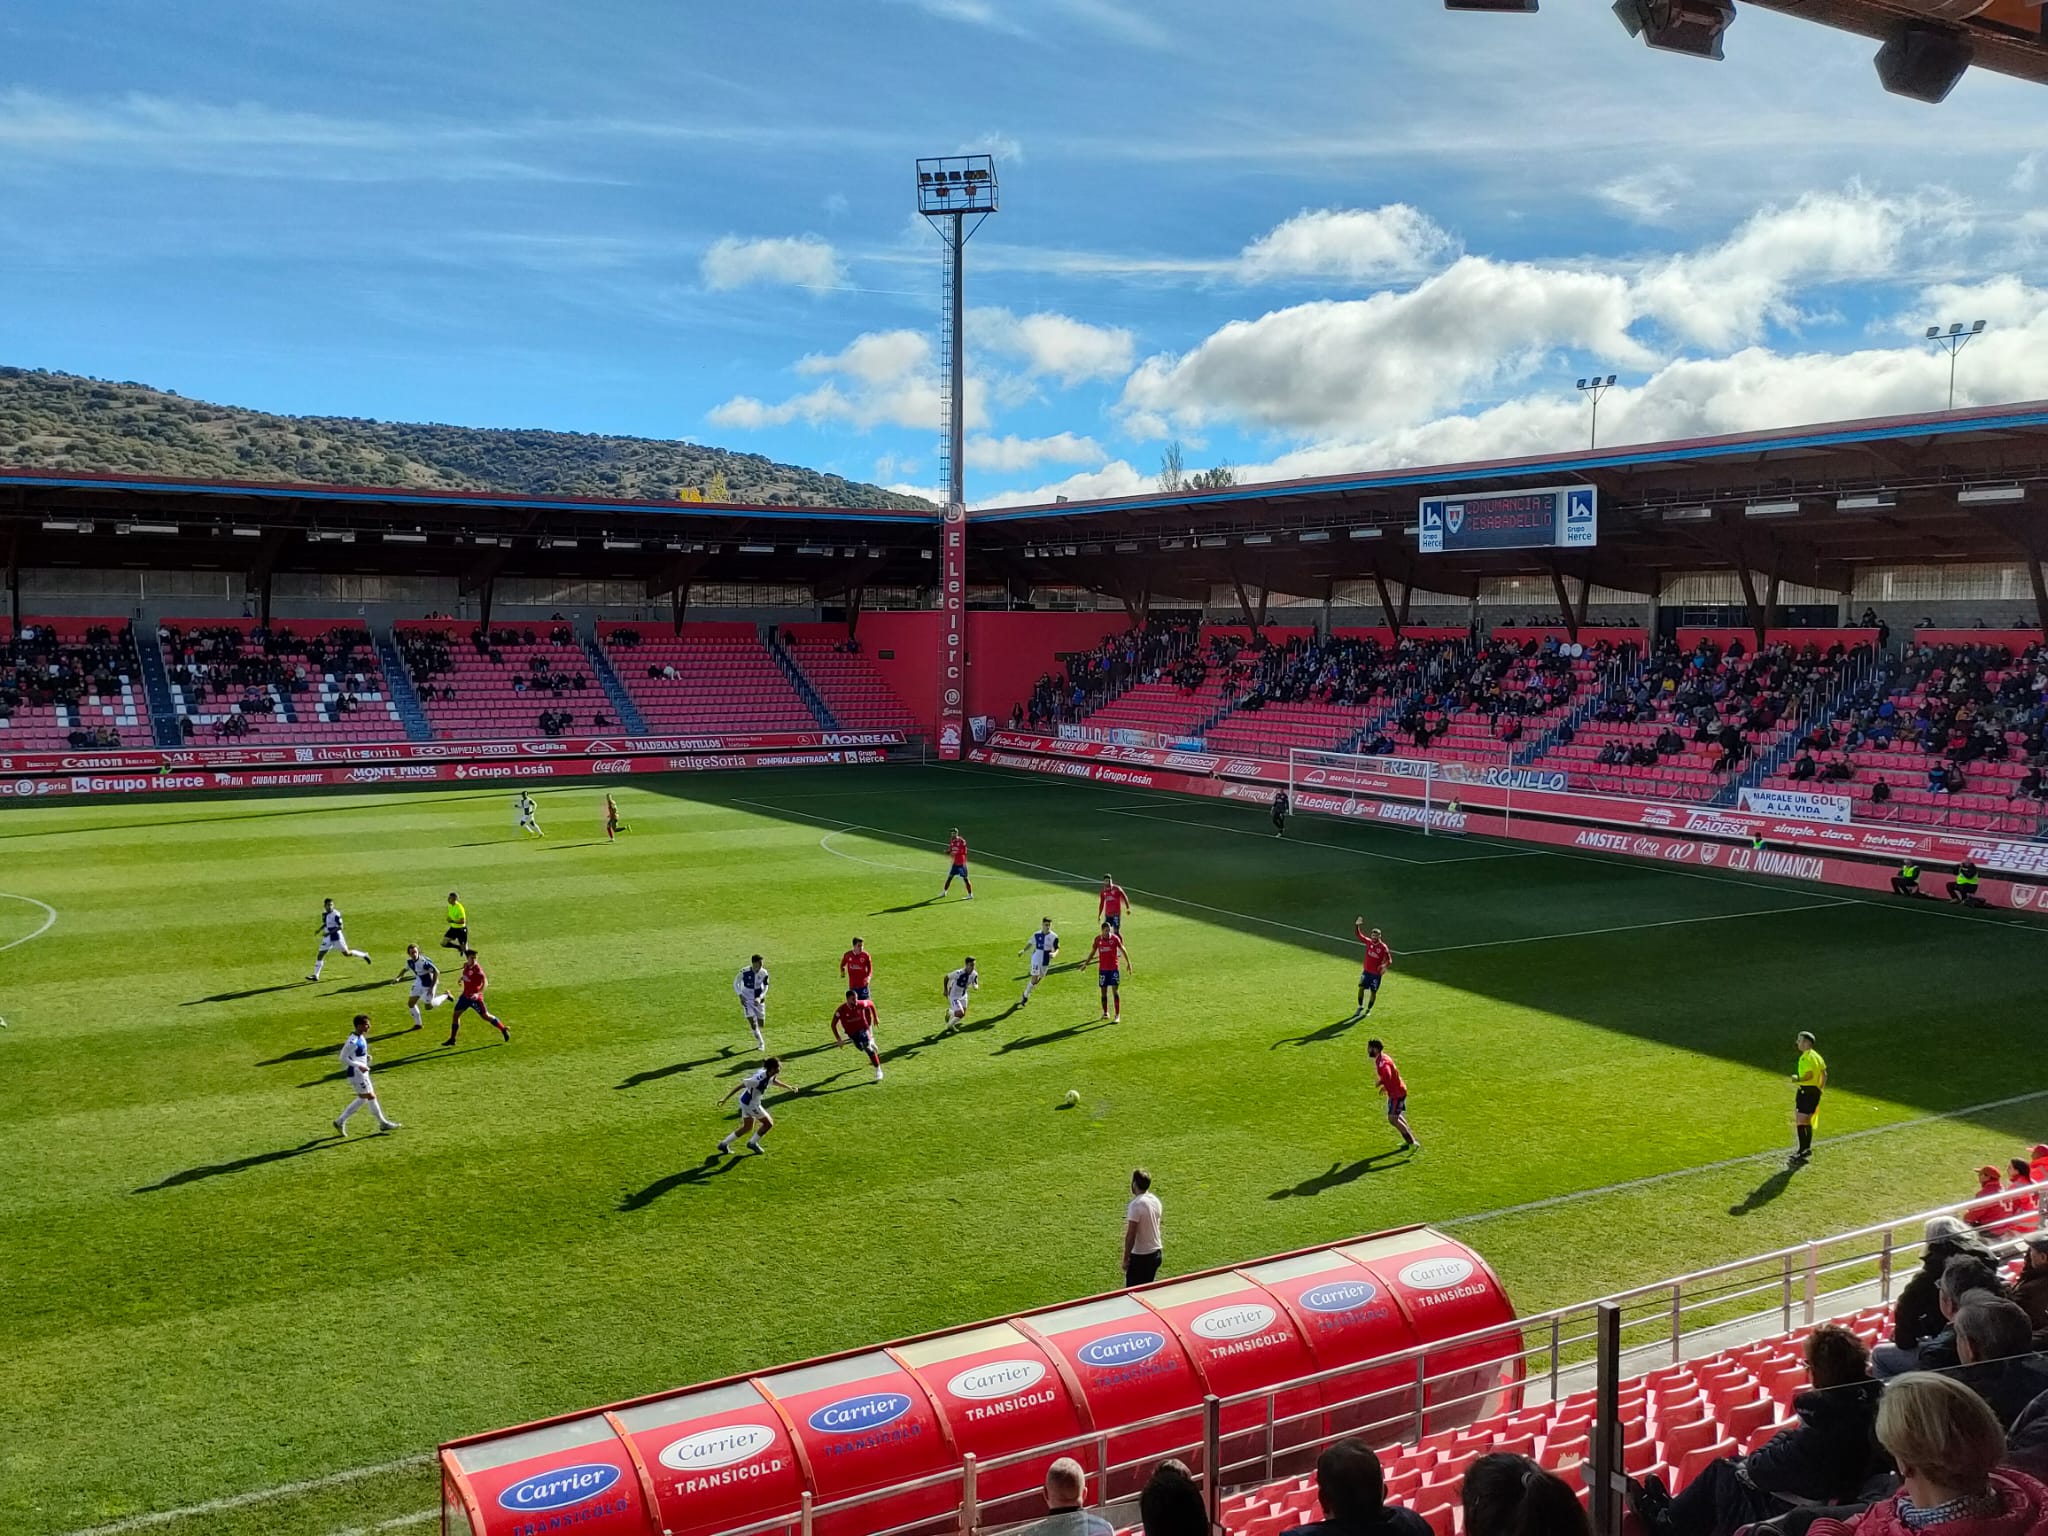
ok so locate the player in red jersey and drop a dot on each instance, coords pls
(1111, 905)
(1110, 960)
(472, 1000)
(956, 851)
(858, 967)
(854, 1024)
(1378, 961)
(1395, 1090)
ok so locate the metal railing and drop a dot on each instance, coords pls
(1248, 1439)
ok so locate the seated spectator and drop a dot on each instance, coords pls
(2023, 1201)
(1947, 1446)
(1995, 1345)
(1508, 1495)
(1907, 883)
(1880, 792)
(1963, 888)
(1829, 1457)
(1987, 1214)
(1804, 769)
(1171, 1503)
(1839, 771)
(1353, 1492)
(2030, 1291)
(1065, 1491)
(1962, 1278)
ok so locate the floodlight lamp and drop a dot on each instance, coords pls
(1977, 327)
(1933, 331)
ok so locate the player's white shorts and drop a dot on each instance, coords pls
(1040, 964)
(754, 1109)
(958, 1006)
(332, 941)
(426, 996)
(528, 821)
(757, 1013)
(359, 1081)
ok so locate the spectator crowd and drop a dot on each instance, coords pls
(40, 670)
(248, 673)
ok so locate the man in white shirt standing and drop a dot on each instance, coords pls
(1142, 1249)
(752, 987)
(355, 1062)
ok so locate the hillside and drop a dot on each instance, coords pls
(60, 421)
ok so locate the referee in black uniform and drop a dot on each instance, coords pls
(1281, 806)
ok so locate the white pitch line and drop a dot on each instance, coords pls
(1776, 1155)
(1363, 853)
(49, 920)
(1588, 933)
(825, 843)
(257, 1496)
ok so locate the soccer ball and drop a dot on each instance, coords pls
(1073, 1095)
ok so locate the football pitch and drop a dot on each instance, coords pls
(208, 1297)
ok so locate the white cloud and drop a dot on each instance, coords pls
(1648, 197)
(1007, 150)
(801, 262)
(1361, 244)
(1116, 478)
(1007, 455)
(882, 378)
(1357, 368)
(933, 493)
(1053, 345)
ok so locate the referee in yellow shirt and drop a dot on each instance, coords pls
(1811, 1075)
(457, 936)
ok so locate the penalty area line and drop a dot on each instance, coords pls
(256, 1496)
(1650, 1181)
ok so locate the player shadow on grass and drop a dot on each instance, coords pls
(1054, 1037)
(236, 997)
(438, 1053)
(656, 1074)
(1340, 1174)
(712, 1166)
(239, 1165)
(818, 1090)
(590, 842)
(318, 1052)
(908, 906)
(1764, 1193)
(946, 1032)
(1327, 1032)
(748, 1063)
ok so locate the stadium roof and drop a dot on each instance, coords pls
(1805, 505)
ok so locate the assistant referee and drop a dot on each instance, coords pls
(1811, 1075)
(457, 936)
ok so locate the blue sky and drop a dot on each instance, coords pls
(1304, 236)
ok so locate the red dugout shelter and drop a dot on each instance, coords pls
(1299, 1345)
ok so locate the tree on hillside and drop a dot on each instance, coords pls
(1222, 477)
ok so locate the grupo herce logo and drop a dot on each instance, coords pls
(997, 1379)
(1339, 1296)
(1436, 1274)
(1238, 1321)
(1114, 1349)
(710, 1449)
(850, 1415)
(560, 1488)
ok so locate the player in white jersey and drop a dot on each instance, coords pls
(958, 984)
(751, 985)
(355, 1061)
(331, 937)
(529, 815)
(1042, 947)
(753, 1092)
(426, 984)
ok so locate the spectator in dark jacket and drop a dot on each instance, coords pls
(2031, 1290)
(1171, 1503)
(1996, 1347)
(1917, 1316)
(1829, 1457)
(2026, 1444)
(1508, 1495)
(1961, 1278)
(1353, 1492)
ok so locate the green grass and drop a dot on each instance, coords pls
(206, 1294)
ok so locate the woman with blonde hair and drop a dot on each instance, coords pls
(1947, 1445)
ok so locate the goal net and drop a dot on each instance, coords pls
(1413, 792)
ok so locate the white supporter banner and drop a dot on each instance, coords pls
(1793, 802)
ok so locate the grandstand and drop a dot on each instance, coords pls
(288, 683)
(503, 683)
(712, 677)
(70, 682)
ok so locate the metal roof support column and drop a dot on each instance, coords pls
(1750, 605)
(1396, 619)
(14, 580)
(2033, 574)
(679, 605)
(1573, 617)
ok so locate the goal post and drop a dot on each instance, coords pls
(1418, 793)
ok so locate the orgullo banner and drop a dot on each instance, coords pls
(953, 632)
(186, 781)
(139, 759)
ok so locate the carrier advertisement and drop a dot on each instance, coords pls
(716, 1459)
(1243, 1340)
(1000, 1393)
(863, 1423)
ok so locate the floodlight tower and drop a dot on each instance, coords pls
(1952, 341)
(1595, 387)
(955, 193)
